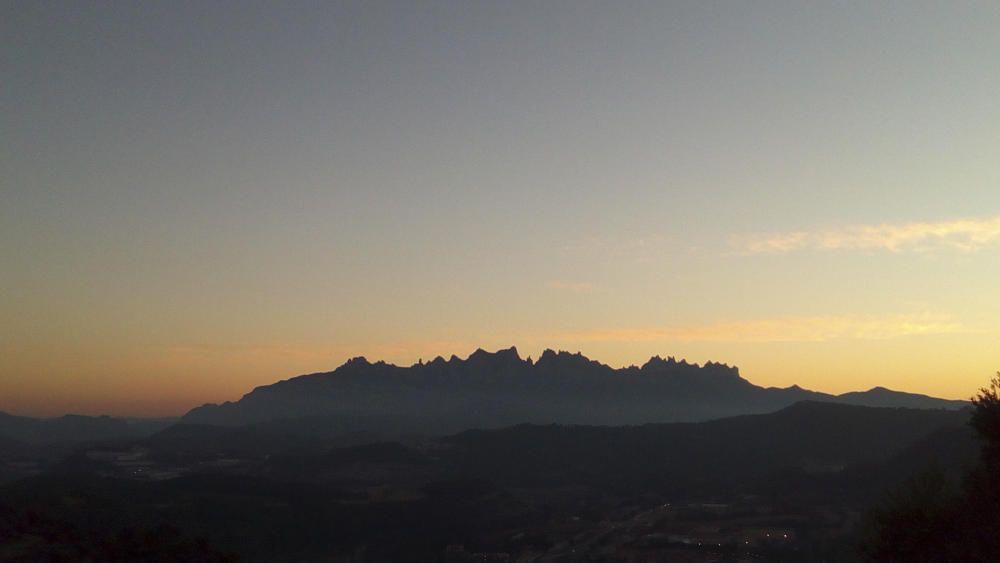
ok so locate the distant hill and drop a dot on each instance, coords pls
(490, 390)
(810, 466)
(882, 397)
(810, 437)
(271, 437)
(71, 429)
(864, 448)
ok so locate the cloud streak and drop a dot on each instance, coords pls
(965, 235)
(786, 329)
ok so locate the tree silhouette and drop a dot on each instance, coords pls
(986, 421)
(923, 521)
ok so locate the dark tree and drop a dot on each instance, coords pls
(986, 421)
(924, 521)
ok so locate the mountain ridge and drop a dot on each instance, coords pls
(493, 389)
(75, 428)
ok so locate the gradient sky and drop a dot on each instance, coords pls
(199, 197)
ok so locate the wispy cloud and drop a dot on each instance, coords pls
(785, 329)
(966, 235)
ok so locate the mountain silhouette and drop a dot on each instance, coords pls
(74, 428)
(882, 397)
(489, 390)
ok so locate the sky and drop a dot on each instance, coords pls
(198, 198)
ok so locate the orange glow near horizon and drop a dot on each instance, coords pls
(811, 195)
(176, 379)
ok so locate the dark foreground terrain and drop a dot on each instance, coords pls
(793, 485)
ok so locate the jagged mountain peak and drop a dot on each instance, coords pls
(499, 387)
(508, 355)
(357, 361)
(656, 362)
